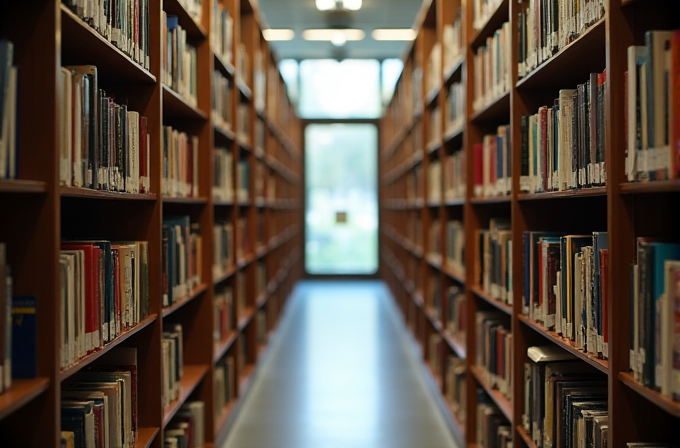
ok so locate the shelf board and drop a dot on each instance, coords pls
(227, 68)
(82, 44)
(433, 204)
(244, 89)
(145, 437)
(494, 22)
(261, 300)
(418, 299)
(87, 193)
(498, 109)
(243, 143)
(434, 320)
(197, 291)
(433, 375)
(244, 379)
(271, 286)
(193, 29)
(457, 276)
(454, 202)
(601, 364)
(186, 201)
(223, 202)
(491, 200)
(432, 96)
(23, 186)
(432, 147)
(89, 359)
(176, 106)
(456, 345)
(665, 403)
(224, 132)
(225, 275)
(20, 393)
(453, 70)
(221, 347)
(661, 186)
(245, 317)
(501, 400)
(193, 375)
(525, 436)
(453, 134)
(584, 55)
(479, 292)
(224, 415)
(582, 193)
(434, 260)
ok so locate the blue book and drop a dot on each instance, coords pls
(24, 346)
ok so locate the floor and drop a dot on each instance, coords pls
(340, 374)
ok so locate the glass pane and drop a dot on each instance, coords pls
(347, 89)
(342, 199)
(391, 70)
(289, 71)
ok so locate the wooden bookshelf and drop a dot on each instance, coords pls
(625, 210)
(48, 34)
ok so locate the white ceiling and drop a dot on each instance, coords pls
(300, 15)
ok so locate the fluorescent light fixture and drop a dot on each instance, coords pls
(394, 34)
(278, 34)
(338, 37)
(328, 5)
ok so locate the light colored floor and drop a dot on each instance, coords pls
(340, 374)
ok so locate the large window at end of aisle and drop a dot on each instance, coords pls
(341, 199)
(345, 89)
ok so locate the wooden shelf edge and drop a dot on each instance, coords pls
(225, 275)
(222, 65)
(245, 318)
(189, 110)
(245, 379)
(23, 186)
(662, 186)
(600, 364)
(87, 193)
(261, 300)
(491, 200)
(20, 393)
(479, 292)
(457, 346)
(89, 359)
(568, 194)
(457, 276)
(485, 30)
(525, 436)
(665, 403)
(183, 200)
(453, 69)
(418, 299)
(454, 202)
(453, 133)
(224, 416)
(225, 132)
(222, 347)
(497, 103)
(193, 28)
(434, 320)
(145, 437)
(501, 401)
(197, 291)
(432, 95)
(244, 89)
(193, 375)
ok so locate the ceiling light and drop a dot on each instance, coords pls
(279, 34)
(394, 34)
(338, 39)
(332, 35)
(328, 5)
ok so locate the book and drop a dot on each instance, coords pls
(492, 68)
(180, 164)
(9, 111)
(21, 361)
(179, 62)
(182, 258)
(493, 165)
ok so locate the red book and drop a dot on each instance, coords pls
(604, 276)
(478, 151)
(91, 293)
(117, 291)
(492, 163)
(674, 112)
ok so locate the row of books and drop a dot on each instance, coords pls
(224, 314)
(187, 428)
(124, 23)
(653, 108)
(223, 177)
(225, 384)
(172, 361)
(492, 73)
(180, 170)
(104, 292)
(433, 78)
(221, 100)
(414, 230)
(547, 26)
(482, 10)
(259, 82)
(414, 189)
(492, 429)
(261, 327)
(260, 134)
(455, 176)
(182, 258)
(452, 41)
(434, 182)
(241, 303)
(493, 269)
(260, 278)
(243, 242)
(434, 129)
(242, 62)
(434, 303)
(455, 246)
(12, 329)
(243, 180)
(493, 164)
(194, 8)
(494, 349)
(565, 286)
(179, 60)
(99, 405)
(223, 244)
(259, 179)
(455, 105)
(563, 145)
(435, 347)
(222, 32)
(243, 122)
(434, 240)
(9, 112)
(655, 315)
(565, 400)
(103, 144)
(456, 323)
(455, 387)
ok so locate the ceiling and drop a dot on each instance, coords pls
(300, 15)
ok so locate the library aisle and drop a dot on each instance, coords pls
(341, 373)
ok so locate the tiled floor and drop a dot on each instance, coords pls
(340, 375)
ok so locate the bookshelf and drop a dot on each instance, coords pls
(38, 210)
(415, 214)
